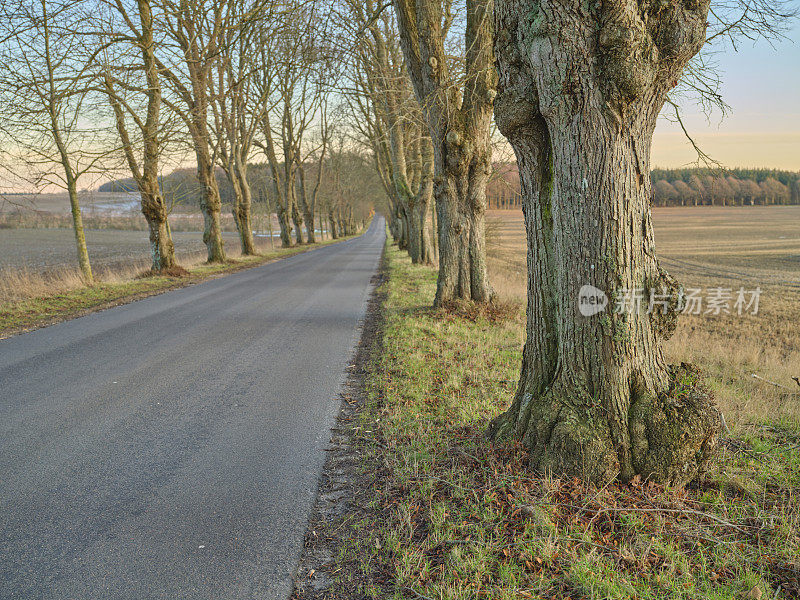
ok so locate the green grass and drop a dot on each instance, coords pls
(461, 518)
(25, 314)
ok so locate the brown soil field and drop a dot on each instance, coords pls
(42, 250)
(750, 358)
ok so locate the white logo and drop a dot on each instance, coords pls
(591, 300)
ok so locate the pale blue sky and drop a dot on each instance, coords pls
(761, 83)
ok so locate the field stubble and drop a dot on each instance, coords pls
(463, 518)
(706, 248)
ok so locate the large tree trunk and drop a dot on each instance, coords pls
(154, 209)
(458, 115)
(242, 206)
(211, 207)
(596, 398)
(461, 212)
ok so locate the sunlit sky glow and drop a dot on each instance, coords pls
(761, 83)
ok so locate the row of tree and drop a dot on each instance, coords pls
(87, 87)
(699, 188)
(577, 93)
(348, 185)
(679, 187)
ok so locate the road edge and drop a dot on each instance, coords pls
(343, 489)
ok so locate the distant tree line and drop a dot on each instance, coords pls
(680, 187)
(349, 188)
(731, 187)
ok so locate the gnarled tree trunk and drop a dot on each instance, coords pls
(458, 116)
(579, 94)
(154, 209)
(242, 204)
(461, 210)
(211, 207)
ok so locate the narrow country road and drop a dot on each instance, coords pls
(170, 448)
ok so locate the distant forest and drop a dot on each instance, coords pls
(682, 187)
(346, 175)
(671, 187)
(731, 187)
(181, 186)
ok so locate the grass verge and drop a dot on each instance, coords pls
(461, 518)
(69, 298)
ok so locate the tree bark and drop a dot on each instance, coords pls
(211, 206)
(596, 398)
(461, 214)
(458, 119)
(154, 209)
(242, 207)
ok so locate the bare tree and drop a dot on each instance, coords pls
(46, 82)
(308, 197)
(298, 81)
(192, 34)
(395, 127)
(458, 111)
(370, 129)
(239, 103)
(130, 81)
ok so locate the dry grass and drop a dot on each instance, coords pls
(462, 518)
(24, 283)
(708, 247)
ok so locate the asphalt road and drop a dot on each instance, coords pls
(171, 448)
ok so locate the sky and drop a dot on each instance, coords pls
(761, 83)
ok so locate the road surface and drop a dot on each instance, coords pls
(170, 448)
